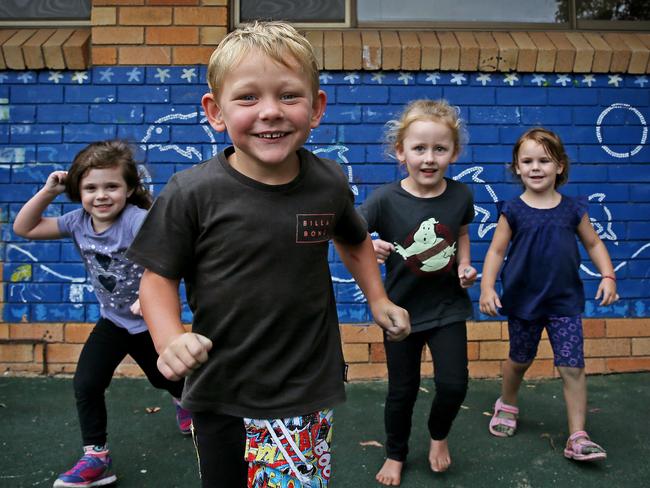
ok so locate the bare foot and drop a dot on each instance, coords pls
(439, 458)
(390, 473)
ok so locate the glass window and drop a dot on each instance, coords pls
(638, 10)
(17, 11)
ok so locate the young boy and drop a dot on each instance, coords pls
(248, 231)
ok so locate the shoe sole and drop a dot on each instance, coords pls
(103, 482)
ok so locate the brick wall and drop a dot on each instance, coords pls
(47, 116)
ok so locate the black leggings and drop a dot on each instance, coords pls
(105, 348)
(220, 441)
(448, 346)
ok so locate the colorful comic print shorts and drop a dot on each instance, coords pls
(289, 453)
(564, 334)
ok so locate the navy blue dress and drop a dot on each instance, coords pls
(540, 276)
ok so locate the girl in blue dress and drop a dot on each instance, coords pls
(541, 285)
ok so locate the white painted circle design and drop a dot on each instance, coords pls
(600, 136)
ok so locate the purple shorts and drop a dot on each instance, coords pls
(564, 333)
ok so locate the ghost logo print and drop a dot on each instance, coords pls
(429, 249)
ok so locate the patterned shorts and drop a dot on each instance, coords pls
(564, 333)
(289, 453)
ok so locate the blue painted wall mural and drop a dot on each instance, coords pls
(47, 116)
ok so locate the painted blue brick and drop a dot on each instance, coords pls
(636, 98)
(491, 153)
(640, 193)
(34, 173)
(381, 113)
(353, 313)
(138, 133)
(31, 94)
(167, 153)
(76, 294)
(613, 192)
(330, 91)
(19, 192)
(69, 253)
(172, 75)
(22, 114)
(625, 134)
(628, 173)
(59, 273)
(363, 133)
(34, 133)
(15, 312)
(379, 153)
(341, 153)
(189, 133)
(58, 153)
(374, 173)
(62, 113)
(545, 116)
(57, 313)
(587, 173)
(4, 134)
(34, 292)
(466, 95)
(342, 114)
(117, 75)
(520, 96)
(88, 132)
(93, 313)
(145, 94)
(180, 94)
(324, 134)
(5, 174)
(17, 154)
(405, 94)
(18, 272)
(494, 115)
(481, 134)
(362, 94)
(28, 252)
(572, 96)
(595, 154)
(640, 268)
(117, 114)
(590, 115)
(172, 114)
(90, 94)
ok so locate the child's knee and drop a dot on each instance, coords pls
(451, 393)
(571, 374)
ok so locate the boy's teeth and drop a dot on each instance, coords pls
(275, 135)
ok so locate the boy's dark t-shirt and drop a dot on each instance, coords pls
(424, 280)
(254, 260)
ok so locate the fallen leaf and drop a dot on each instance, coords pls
(550, 439)
(3, 405)
(152, 409)
(370, 443)
(464, 407)
(422, 388)
(531, 386)
(594, 410)
(487, 414)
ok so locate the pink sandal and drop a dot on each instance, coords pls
(576, 450)
(495, 421)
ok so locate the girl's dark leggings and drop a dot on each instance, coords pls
(105, 348)
(448, 346)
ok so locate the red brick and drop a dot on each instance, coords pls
(213, 16)
(478, 331)
(485, 369)
(12, 48)
(596, 366)
(33, 50)
(17, 353)
(361, 333)
(129, 370)
(53, 49)
(172, 2)
(212, 35)
(76, 50)
(641, 347)
(191, 55)
(103, 16)
(367, 371)
(77, 333)
(356, 353)
(22, 369)
(472, 351)
(48, 332)
(97, 3)
(104, 55)
(118, 35)
(593, 328)
(153, 55)
(541, 368)
(493, 350)
(628, 327)
(377, 353)
(145, 16)
(63, 353)
(622, 365)
(4, 331)
(172, 35)
(607, 347)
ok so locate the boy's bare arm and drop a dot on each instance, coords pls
(360, 260)
(489, 301)
(180, 352)
(29, 222)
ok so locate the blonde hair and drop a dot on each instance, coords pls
(277, 40)
(553, 146)
(427, 110)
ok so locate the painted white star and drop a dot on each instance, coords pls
(378, 77)
(188, 74)
(562, 80)
(25, 77)
(433, 77)
(538, 79)
(589, 80)
(510, 78)
(106, 74)
(457, 78)
(325, 78)
(134, 74)
(405, 77)
(641, 81)
(351, 77)
(3, 77)
(614, 80)
(484, 78)
(162, 74)
(79, 76)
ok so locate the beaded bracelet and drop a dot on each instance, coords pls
(609, 276)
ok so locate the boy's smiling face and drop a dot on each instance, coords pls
(268, 110)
